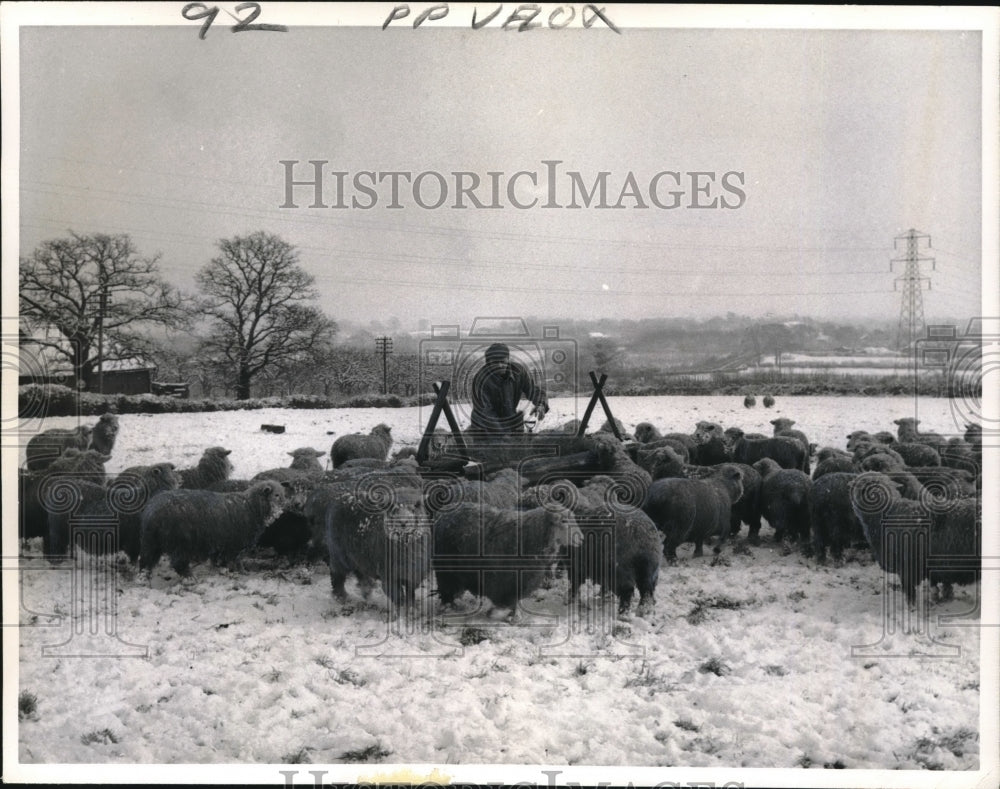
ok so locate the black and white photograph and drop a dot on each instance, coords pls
(429, 393)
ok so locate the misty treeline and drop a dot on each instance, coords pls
(252, 326)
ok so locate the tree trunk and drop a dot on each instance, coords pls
(243, 384)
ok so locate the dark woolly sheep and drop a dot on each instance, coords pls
(747, 508)
(662, 462)
(857, 437)
(787, 452)
(783, 427)
(70, 468)
(833, 465)
(213, 466)
(907, 433)
(768, 401)
(357, 445)
(105, 432)
(833, 521)
(884, 437)
(628, 562)
(692, 510)
(378, 538)
(866, 449)
(289, 534)
(712, 447)
(123, 499)
(194, 525)
(749, 401)
(825, 453)
(45, 447)
(893, 525)
(784, 500)
(606, 428)
(305, 467)
(501, 490)
(917, 454)
(503, 555)
(87, 465)
(646, 432)
(960, 454)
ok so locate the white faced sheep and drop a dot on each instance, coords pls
(356, 445)
(194, 525)
(213, 466)
(500, 554)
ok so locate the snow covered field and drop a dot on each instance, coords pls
(756, 659)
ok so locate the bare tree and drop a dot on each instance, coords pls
(71, 290)
(257, 301)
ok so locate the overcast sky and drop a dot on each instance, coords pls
(844, 140)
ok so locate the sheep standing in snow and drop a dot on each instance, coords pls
(692, 510)
(357, 445)
(895, 529)
(749, 401)
(783, 427)
(834, 524)
(634, 562)
(45, 447)
(500, 554)
(784, 499)
(121, 501)
(382, 537)
(787, 452)
(194, 525)
(305, 465)
(104, 434)
(213, 466)
(712, 448)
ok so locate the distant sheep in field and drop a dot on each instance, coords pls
(768, 401)
(122, 500)
(378, 539)
(749, 401)
(787, 452)
(357, 445)
(784, 500)
(104, 434)
(692, 510)
(213, 466)
(517, 545)
(194, 525)
(953, 551)
(44, 448)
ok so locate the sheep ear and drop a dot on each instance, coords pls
(227, 452)
(291, 453)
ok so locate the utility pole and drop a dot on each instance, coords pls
(383, 345)
(911, 310)
(102, 306)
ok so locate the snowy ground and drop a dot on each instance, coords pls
(757, 659)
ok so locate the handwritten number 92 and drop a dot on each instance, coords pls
(195, 11)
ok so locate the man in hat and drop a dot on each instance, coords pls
(497, 389)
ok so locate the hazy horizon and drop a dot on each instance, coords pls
(844, 139)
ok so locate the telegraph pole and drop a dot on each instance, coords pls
(383, 345)
(911, 311)
(102, 306)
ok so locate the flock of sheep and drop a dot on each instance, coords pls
(601, 509)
